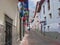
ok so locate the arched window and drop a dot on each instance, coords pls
(50, 15)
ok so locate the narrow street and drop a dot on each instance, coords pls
(33, 38)
(29, 22)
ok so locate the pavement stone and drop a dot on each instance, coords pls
(32, 38)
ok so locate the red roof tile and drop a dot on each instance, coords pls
(38, 9)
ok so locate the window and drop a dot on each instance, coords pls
(59, 12)
(45, 18)
(48, 27)
(48, 1)
(50, 15)
(43, 9)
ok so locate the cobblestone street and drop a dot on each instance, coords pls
(34, 39)
(29, 22)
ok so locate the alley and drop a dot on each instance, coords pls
(33, 38)
(29, 22)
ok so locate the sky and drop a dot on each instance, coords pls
(32, 6)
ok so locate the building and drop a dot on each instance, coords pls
(9, 22)
(49, 15)
(23, 9)
(35, 20)
(48, 12)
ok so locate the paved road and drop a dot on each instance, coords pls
(34, 38)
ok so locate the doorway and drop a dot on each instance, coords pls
(8, 31)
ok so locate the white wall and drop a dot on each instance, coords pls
(53, 22)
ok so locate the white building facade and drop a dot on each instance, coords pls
(50, 15)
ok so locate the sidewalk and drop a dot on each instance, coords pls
(24, 41)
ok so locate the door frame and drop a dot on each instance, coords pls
(10, 21)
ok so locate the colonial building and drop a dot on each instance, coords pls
(49, 12)
(9, 22)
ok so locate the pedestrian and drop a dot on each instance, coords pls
(29, 29)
